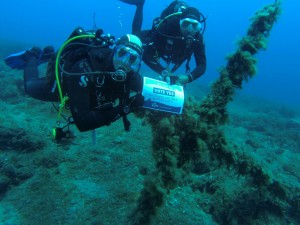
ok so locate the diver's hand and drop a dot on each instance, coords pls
(132, 103)
(136, 101)
(168, 77)
(177, 80)
(172, 79)
(182, 80)
(164, 75)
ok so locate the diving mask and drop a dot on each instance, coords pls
(189, 26)
(127, 59)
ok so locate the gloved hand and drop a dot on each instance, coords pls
(177, 80)
(136, 101)
(182, 80)
(132, 103)
(172, 79)
(168, 77)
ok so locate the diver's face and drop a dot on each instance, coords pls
(126, 59)
(189, 27)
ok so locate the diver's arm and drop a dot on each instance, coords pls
(200, 58)
(95, 119)
(138, 18)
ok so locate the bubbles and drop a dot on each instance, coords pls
(120, 14)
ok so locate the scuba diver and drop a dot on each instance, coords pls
(175, 36)
(92, 71)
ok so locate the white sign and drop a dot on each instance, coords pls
(163, 97)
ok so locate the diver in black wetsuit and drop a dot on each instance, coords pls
(97, 80)
(175, 36)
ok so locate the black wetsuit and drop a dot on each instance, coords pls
(157, 46)
(93, 98)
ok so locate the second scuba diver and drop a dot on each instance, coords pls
(175, 37)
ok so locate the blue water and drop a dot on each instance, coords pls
(50, 22)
